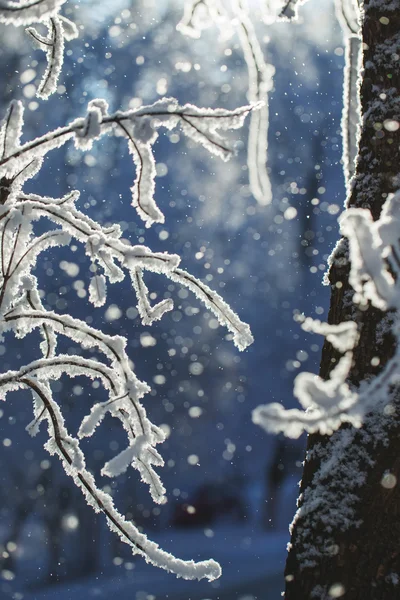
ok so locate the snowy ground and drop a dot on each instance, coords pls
(252, 570)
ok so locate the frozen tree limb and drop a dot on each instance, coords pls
(375, 267)
(201, 14)
(343, 336)
(326, 404)
(289, 9)
(59, 29)
(347, 12)
(260, 83)
(27, 12)
(374, 253)
(22, 312)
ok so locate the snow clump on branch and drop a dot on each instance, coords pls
(374, 248)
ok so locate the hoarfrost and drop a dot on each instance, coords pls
(22, 311)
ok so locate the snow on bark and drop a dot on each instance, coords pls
(334, 501)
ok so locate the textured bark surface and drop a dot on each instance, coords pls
(359, 562)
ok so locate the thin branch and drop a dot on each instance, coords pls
(103, 502)
(68, 131)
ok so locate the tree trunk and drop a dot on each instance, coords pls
(346, 534)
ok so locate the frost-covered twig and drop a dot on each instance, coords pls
(374, 275)
(148, 313)
(326, 404)
(242, 336)
(347, 12)
(26, 12)
(68, 450)
(22, 311)
(59, 28)
(138, 126)
(290, 8)
(260, 84)
(200, 14)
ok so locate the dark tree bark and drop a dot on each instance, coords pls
(346, 534)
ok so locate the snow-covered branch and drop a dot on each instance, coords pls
(22, 312)
(45, 12)
(374, 248)
(236, 18)
(260, 75)
(201, 14)
(289, 9)
(374, 252)
(347, 12)
(68, 450)
(138, 126)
